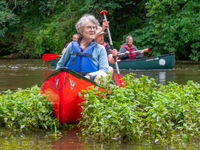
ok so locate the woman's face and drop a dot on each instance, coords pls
(89, 31)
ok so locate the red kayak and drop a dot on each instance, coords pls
(62, 88)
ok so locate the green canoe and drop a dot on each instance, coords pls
(54, 62)
(160, 62)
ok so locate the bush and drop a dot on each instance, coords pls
(143, 111)
(26, 109)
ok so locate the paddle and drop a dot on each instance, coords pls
(120, 82)
(50, 56)
(144, 50)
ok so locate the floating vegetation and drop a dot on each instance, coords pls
(27, 109)
(143, 111)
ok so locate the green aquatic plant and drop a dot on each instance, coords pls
(27, 109)
(142, 111)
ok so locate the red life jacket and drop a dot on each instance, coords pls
(132, 54)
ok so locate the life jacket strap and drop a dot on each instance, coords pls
(81, 54)
(73, 59)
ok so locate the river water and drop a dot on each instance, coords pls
(24, 73)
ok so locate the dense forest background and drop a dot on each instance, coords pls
(31, 27)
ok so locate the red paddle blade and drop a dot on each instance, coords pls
(120, 82)
(49, 56)
(103, 12)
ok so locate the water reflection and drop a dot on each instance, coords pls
(162, 77)
(69, 141)
(10, 140)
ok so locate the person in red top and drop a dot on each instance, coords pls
(130, 51)
(74, 38)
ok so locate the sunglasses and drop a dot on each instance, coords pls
(89, 28)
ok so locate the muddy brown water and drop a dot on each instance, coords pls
(24, 73)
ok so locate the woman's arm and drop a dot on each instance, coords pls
(102, 61)
(65, 57)
(123, 52)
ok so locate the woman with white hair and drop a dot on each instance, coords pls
(86, 56)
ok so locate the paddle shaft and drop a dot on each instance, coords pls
(125, 53)
(145, 50)
(111, 43)
(109, 35)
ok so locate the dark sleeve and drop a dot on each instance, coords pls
(122, 51)
(108, 49)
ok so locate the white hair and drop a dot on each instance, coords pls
(127, 38)
(84, 20)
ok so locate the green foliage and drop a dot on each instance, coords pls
(46, 26)
(41, 27)
(32, 28)
(143, 111)
(7, 19)
(175, 27)
(27, 110)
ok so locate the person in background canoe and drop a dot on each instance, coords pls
(75, 37)
(129, 51)
(99, 38)
(85, 55)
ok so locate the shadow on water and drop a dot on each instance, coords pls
(20, 73)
